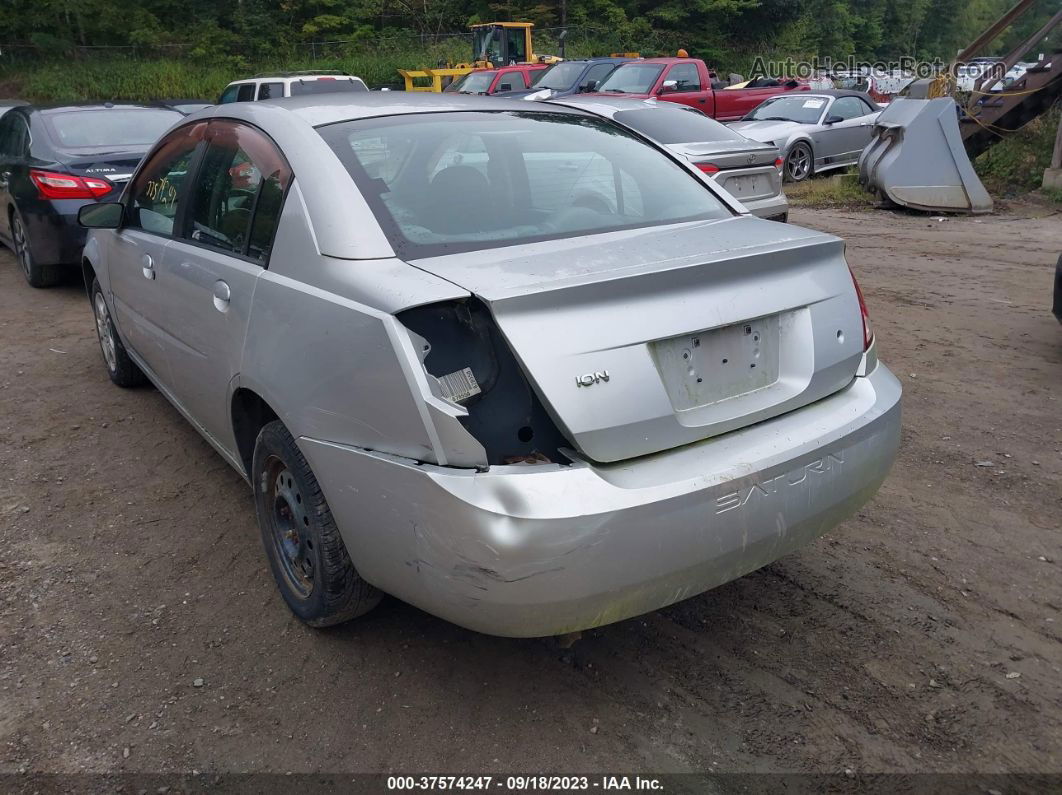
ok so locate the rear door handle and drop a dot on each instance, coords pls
(222, 294)
(147, 267)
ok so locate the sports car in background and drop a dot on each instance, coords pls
(814, 132)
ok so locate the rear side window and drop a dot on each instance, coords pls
(238, 194)
(673, 126)
(326, 86)
(14, 136)
(158, 192)
(270, 90)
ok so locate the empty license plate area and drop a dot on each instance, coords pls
(725, 363)
(748, 185)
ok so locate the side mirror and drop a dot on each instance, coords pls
(107, 215)
(588, 87)
(833, 119)
(669, 87)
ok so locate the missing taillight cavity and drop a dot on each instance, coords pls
(475, 368)
(56, 185)
(868, 332)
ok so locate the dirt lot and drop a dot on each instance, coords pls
(923, 635)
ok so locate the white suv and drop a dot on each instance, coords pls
(290, 84)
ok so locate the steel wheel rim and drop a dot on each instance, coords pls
(799, 163)
(21, 249)
(289, 528)
(106, 335)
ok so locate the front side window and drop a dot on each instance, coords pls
(228, 95)
(849, 108)
(236, 200)
(685, 76)
(596, 75)
(158, 191)
(632, 79)
(447, 182)
(559, 77)
(245, 93)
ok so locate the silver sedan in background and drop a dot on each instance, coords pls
(506, 361)
(748, 170)
(814, 132)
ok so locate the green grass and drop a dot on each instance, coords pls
(837, 190)
(1016, 164)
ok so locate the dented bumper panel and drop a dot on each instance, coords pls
(543, 550)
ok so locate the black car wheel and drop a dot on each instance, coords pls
(799, 163)
(36, 275)
(306, 552)
(120, 367)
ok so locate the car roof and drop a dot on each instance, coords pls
(291, 76)
(321, 109)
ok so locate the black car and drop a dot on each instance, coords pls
(1057, 309)
(571, 77)
(55, 159)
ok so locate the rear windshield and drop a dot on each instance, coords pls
(113, 128)
(632, 79)
(446, 182)
(670, 126)
(333, 85)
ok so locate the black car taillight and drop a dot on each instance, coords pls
(55, 185)
(474, 367)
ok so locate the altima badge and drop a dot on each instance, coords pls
(591, 378)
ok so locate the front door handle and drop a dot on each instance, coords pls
(147, 267)
(222, 294)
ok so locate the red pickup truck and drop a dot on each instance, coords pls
(689, 82)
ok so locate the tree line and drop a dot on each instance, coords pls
(721, 31)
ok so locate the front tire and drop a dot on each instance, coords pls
(306, 552)
(799, 163)
(122, 370)
(37, 275)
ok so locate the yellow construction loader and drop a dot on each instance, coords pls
(493, 44)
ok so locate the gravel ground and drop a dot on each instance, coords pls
(140, 629)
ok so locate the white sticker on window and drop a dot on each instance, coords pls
(814, 103)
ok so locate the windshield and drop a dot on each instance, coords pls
(326, 85)
(559, 77)
(446, 182)
(803, 109)
(475, 83)
(113, 128)
(676, 126)
(632, 79)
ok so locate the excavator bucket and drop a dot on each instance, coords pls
(916, 159)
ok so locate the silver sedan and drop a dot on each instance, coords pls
(508, 362)
(815, 132)
(749, 171)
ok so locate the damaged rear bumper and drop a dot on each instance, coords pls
(542, 550)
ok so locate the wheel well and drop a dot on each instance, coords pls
(250, 413)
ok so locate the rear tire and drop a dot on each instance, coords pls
(122, 370)
(36, 275)
(306, 552)
(799, 163)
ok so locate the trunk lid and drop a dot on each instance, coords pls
(643, 340)
(729, 154)
(117, 167)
